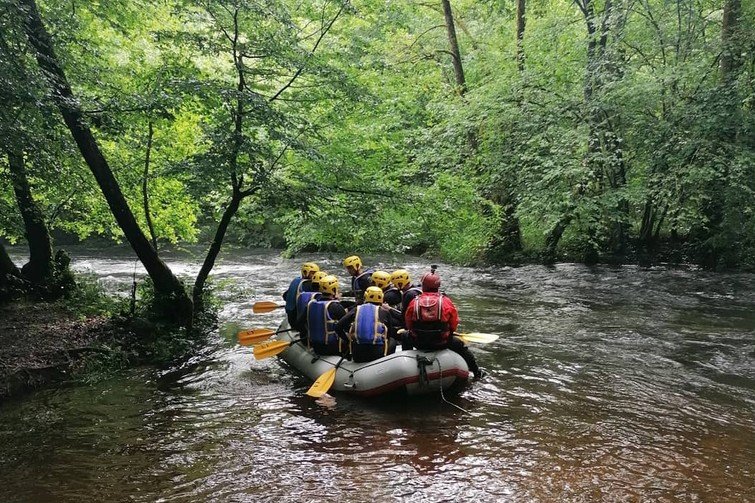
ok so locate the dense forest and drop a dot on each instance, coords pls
(473, 130)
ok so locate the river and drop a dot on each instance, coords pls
(607, 384)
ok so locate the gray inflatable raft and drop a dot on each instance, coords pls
(412, 372)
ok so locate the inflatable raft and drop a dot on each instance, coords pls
(411, 372)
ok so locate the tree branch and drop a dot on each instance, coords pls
(317, 43)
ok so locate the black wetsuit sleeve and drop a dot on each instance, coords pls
(343, 325)
(396, 317)
(336, 311)
(386, 318)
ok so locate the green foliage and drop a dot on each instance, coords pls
(345, 125)
(89, 299)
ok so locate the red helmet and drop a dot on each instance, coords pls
(430, 282)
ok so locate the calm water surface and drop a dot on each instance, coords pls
(607, 384)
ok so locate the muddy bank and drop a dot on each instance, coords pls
(43, 343)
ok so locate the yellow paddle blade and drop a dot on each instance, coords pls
(323, 383)
(255, 336)
(250, 337)
(478, 337)
(265, 306)
(269, 348)
(255, 331)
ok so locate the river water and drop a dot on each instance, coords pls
(607, 384)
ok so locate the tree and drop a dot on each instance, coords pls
(453, 44)
(41, 268)
(248, 158)
(165, 282)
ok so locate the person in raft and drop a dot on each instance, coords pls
(303, 300)
(321, 319)
(368, 329)
(391, 296)
(401, 280)
(298, 285)
(382, 280)
(431, 319)
(360, 278)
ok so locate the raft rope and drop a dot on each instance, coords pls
(442, 396)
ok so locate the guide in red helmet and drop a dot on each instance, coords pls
(431, 319)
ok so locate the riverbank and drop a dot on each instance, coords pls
(44, 342)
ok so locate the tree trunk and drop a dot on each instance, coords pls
(11, 283)
(520, 24)
(217, 242)
(145, 193)
(554, 236)
(7, 266)
(731, 55)
(711, 250)
(604, 159)
(454, 45)
(165, 282)
(41, 268)
(507, 240)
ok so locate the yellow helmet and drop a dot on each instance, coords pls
(400, 278)
(329, 284)
(373, 295)
(353, 261)
(381, 279)
(309, 268)
(318, 276)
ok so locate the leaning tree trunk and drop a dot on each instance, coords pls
(454, 45)
(166, 283)
(217, 243)
(40, 269)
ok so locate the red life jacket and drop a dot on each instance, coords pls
(430, 327)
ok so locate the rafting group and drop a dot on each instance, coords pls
(387, 311)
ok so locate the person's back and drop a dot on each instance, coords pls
(405, 292)
(304, 299)
(368, 328)
(431, 319)
(299, 284)
(321, 319)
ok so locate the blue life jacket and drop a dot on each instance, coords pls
(320, 326)
(367, 327)
(303, 300)
(291, 294)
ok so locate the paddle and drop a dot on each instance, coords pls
(265, 306)
(254, 336)
(324, 382)
(271, 348)
(478, 337)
